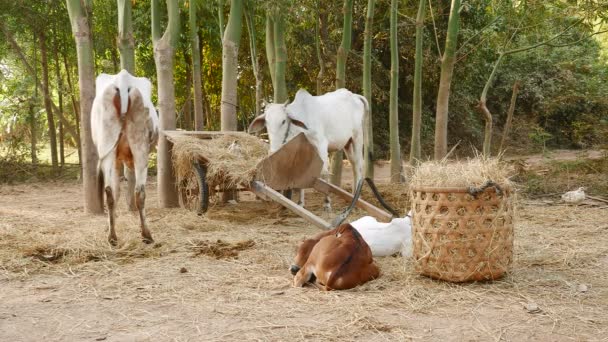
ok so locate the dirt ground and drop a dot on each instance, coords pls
(60, 280)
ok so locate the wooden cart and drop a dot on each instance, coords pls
(296, 165)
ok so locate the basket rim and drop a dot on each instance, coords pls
(451, 188)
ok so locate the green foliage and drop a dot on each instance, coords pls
(563, 89)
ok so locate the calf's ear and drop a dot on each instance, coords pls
(257, 124)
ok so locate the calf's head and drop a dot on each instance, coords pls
(277, 122)
(302, 255)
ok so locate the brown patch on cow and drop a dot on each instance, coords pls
(123, 151)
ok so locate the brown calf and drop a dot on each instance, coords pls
(340, 260)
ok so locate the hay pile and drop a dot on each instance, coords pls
(230, 158)
(464, 173)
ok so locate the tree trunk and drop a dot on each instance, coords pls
(164, 50)
(75, 105)
(197, 84)
(125, 41)
(368, 148)
(47, 101)
(505, 131)
(415, 150)
(33, 137)
(343, 51)
(394, 98)
(230, 52)
(60, 100)
(319, 55)
(280, 90)
(487, 116)
(86, 76)
(270, 50)
(254, 57)
(445, 80)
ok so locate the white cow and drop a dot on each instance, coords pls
(332, 122)
(124, 126)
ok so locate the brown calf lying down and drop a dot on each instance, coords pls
(338, 259)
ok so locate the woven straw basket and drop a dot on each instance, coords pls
(458, 237)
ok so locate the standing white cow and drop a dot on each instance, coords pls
(124, 126)
(332, 122)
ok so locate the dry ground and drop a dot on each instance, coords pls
(60, 281)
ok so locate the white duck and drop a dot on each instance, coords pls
(575, 197)
(386, 238)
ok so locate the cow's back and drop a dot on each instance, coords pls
(337, 115)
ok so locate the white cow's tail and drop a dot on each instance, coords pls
(100, 183)
(365, 103)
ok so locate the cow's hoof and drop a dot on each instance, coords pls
(113, 240)
(147, 239)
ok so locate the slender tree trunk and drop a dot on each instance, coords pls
(47, 101)
(505, 131)
(487, 116)
(164, 51)
(197, 84)
(415, 150)
(394, 98)
(368, 148)
(60, 100)
(445, 80)
(319, 55)
(280, 90)
(75, 106)
(343, 51)
(249, 18)
(125, 41)
(33, 132)
(270, 50)
(187, 121)
(86, 75)
(230, 52)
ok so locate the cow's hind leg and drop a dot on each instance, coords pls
(130, 175)
(354, 154)
(111, 189)
(140, 159)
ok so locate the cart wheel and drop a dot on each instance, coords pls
(194, 190)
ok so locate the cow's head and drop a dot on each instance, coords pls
(278, 123)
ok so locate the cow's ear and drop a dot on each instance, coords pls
(298, 123)
(257, 124)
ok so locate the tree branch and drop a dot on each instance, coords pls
(530, 47)
(577, 41)
(435, 30)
